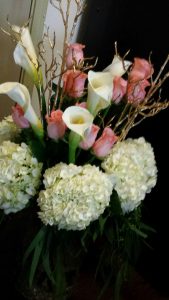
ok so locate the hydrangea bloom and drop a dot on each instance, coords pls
(8, 129)
(74, 196)
(133, 168)
(19, 176)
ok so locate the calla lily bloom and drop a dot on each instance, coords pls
(118, 67)
(99, 91)
(20, 94)
(25, 55)
(100, 86)
(77, 119)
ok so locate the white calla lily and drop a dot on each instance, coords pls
(24, 53)
(20, 94)
(77, 119)
(100, 85)
(118, 67)
(99, 91)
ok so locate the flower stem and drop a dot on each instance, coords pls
(74, 140)
(42, 102)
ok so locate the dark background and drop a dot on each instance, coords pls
(142, 27)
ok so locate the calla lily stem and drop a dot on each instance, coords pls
(74, 140)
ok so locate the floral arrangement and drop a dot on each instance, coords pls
(71, 164)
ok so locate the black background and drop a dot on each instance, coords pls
(142, 27)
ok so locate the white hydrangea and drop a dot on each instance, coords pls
(19, 176)
(133, 168)
(8, 129)
(74, 196)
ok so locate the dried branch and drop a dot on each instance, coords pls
(65, 19)
(80, 7)
(122, 116)
(161, 70)
(147, 108)
(158, 82)
(49, 70)
(154, 111)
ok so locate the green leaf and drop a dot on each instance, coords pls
(119, 281)
(102, 222)
(110, 235)
(38, 149)
(59, 275)
(137, 231)
(35, 261)
(39, 236)
(83, 240)
(46, 257)
(95, 235)
(105, 286)
(100, 262)
(115, 204)
(37, 146)
(147, 227)
(47, 267)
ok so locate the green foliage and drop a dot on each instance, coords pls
(114, 239)
(37, 146)
(117, 241)
(36, 247)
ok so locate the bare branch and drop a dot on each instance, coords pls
(80, 7)
(161, 69)
(49, 69)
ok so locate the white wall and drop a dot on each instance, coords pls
(53, 21)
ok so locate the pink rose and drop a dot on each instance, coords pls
(56, 127)
(90, 136)
(136, 91)
(74, 55)
(141, 70)
(73, 83)
(18, 117)
(119, 89)
(104, 144)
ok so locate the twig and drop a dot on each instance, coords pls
(80, 7)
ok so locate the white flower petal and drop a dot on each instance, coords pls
(100, 90)
(20, 94)
(24, 53)
(73, 201)
(8, 130)
(17, 184)
(118, 67)
(132, 166)
(77, 119)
